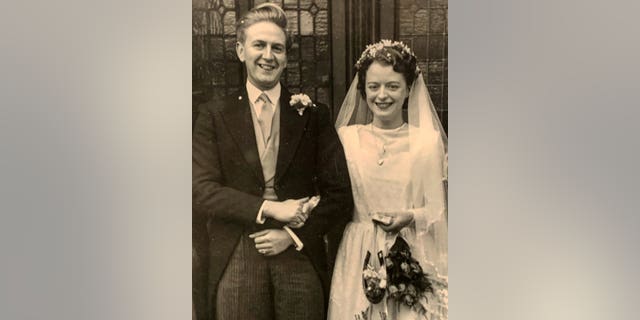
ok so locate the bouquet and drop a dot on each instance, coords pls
(408, 284)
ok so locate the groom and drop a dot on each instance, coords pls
(256, 162)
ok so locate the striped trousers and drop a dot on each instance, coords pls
(280, 287)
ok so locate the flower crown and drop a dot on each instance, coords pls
(379, 50)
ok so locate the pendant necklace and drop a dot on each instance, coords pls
(380, 149)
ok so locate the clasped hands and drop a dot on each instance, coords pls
(294, 212)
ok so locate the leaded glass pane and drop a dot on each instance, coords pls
(322, 4)
(293, 74)
(307, 48)
(438, 20)
(305, 4)
(216, 47)
(215, 23)
(216, 72)
(306, 23)
(200, 4)
(229, 23)
(421, 22)
(435, 74)
(292, 21)
(199, 23)
(322, 78)
(420, 45)
(294, 51)
(438, 3)
(291, 4)
(436, 46)
(198, 53)
(307, 74)
(230, 49)
(322, 23)
(322, 47)
(324, 95)
(405, 21)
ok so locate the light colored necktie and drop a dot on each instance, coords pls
(266, 117)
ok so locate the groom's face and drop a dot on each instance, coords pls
(263, 53)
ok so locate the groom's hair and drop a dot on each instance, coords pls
(268, 12)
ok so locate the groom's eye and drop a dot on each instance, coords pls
(278, 49)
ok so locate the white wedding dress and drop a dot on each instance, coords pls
(379, 162)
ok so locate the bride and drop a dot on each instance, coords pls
(397, 170)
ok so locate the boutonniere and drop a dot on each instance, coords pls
(301, 101)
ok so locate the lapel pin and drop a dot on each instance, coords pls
(239, 97)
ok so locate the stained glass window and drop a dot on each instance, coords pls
(216, 69)
(423, 26)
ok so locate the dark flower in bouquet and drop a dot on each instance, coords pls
(407, 281)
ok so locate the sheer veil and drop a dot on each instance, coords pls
(428, 172)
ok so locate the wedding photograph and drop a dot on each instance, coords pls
(321, 176)
(319, 159)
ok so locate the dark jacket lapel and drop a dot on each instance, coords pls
(237, 116)
(291, 130)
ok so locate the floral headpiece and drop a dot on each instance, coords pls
(380, 50)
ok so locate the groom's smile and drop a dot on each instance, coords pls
(266, 67)
(264, 54)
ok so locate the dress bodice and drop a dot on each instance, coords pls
(379, 162)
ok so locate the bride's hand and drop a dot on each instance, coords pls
(399, 220)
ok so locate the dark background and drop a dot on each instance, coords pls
(328, 38)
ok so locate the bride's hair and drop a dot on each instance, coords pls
(396, 54)
(266, 12)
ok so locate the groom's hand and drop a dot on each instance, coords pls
(285, 211)
(271, 242)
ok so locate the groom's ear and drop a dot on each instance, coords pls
(240, 51)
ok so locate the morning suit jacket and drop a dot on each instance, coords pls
(228, 182)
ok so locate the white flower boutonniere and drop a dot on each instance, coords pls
(301, 101)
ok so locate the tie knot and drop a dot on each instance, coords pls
(264, 97)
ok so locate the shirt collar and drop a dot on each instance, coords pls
(253, 92)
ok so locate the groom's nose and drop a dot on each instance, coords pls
(268, 54)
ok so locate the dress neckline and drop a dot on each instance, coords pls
(382, 130)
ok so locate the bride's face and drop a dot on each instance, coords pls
(386, 91)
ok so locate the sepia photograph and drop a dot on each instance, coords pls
(321, 181)
(319, 159)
